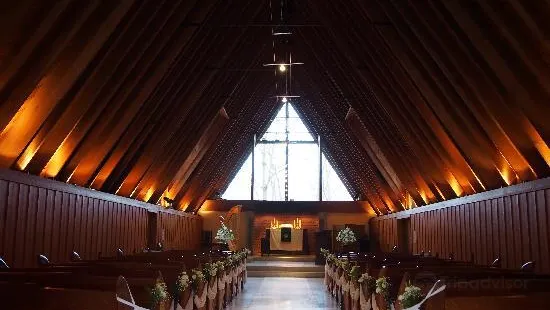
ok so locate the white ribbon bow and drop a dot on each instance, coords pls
(432, 292)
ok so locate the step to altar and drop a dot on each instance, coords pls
(284, 258)
(284, 266)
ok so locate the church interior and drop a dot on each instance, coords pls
(274, 154)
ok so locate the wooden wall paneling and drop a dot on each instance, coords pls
(514, 200)
(483, 238)
(4, 188)
(20, 223)
(77, 225)
(63, 225)
(11, 216)
(49, 223)
(71, 211)
(438, 235)
(435, 232)
(491, 230)
(525, 236)
(56, 226)
(450, 216)
(511, 224)
(125, 242)
(503, 238)
(87, 245)
(494, 229)
(533, 229)
(461, 255)
(542, 223)
(470, 231)
(449, 231)
(40, 233)
(440, 231)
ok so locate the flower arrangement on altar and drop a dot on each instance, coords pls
(225, 234)
(159, 294)
(183, 282)
(369, 281)
(411, 297)
(383, 288)
(346, 236)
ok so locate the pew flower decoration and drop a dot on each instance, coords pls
(324, 252)
(383, 288)
(183, 282)
(346, 236)
(344, 264)
(197, 277)
(355, 273)
(159, 293)
(411, 297)
(210, 270)
(369, 281)
(219, 266)
(224, 234)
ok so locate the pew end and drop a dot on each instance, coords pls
(43, 260)
(123, 295)
(3, 264)
(75, 257)
(528, 267)
(496, 263)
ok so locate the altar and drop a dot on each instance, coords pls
(286, 239)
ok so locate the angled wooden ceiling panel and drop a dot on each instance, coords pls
(416, 101)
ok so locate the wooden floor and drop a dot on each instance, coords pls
(283, 293)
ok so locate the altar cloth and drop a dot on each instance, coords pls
(295, 244)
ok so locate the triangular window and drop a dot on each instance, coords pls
(286, 165)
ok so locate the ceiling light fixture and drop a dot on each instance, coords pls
(282, 68)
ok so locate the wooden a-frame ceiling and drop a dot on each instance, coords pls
(416, 101)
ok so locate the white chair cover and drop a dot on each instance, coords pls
(188, 306)
(200, 301)
(213, 291)
(364, 303)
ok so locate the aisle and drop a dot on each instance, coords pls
(284, 293)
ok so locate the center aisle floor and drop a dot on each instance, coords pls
(283, 293)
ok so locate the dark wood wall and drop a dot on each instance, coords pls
(173, 226)
(511, 223)
(40, 216)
